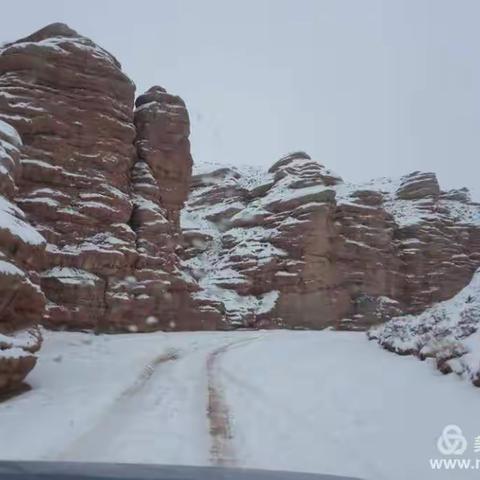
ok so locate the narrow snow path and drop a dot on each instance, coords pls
(325, 402)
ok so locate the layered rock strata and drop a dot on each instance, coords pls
(298, 247)
(102, 184)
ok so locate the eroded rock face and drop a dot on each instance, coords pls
(89, 212)
(299, 247)
(160, 180)
(103, 184)
(73, 108)
(163, 128)
(22, 302)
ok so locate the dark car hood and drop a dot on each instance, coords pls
(129, 471)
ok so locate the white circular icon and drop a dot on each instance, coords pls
(452, 441)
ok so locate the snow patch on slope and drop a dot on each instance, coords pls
(447, 332)
(213, 267)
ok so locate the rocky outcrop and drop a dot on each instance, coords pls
(160, 180)
(163, 128)
(73, 108)
(22, 302)
(299, 247)
(103, 185)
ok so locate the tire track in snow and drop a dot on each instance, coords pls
(260, 397)
(218, 412)
(148, 371)
(106, 426)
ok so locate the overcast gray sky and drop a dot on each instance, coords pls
(367, 87)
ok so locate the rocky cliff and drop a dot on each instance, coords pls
(298, 247)
(102, 183)
(92, 189)
(94, 233)
(22, 302)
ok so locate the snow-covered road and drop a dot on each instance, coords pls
(327, 402)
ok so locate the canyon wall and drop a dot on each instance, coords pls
(104, 228)
(101, 182)
(298, 247)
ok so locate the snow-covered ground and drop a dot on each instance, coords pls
(329, 402)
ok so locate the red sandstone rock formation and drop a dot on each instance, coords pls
(90, 231)
(103, 188)
(73, 108)
(298, 247)
(160, 181)
(21, 248)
